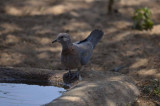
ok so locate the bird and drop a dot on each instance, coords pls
(76, 55)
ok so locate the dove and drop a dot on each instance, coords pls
(77, 54)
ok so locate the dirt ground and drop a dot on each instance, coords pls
(28, 27)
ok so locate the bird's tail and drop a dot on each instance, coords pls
(95, 36)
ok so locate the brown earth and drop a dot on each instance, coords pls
(27, 28)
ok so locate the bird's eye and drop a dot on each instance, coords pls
(61, 37)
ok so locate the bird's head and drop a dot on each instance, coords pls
(62, 38)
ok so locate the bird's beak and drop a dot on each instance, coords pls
(54, 41)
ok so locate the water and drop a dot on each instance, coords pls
(27, 95)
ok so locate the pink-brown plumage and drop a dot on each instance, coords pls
(75, 55)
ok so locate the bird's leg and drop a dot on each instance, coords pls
(77, 74)
(70, 73)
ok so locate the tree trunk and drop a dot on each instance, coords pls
(110, 6)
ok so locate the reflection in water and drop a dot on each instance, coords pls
(27, 95)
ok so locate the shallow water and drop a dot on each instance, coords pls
(27, 95)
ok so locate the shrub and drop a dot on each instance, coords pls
(153, 88)
(142, 19)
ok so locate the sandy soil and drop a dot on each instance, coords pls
(27, 28)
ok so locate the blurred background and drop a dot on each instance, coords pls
(27, 28)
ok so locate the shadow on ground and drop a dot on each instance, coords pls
(27, 28)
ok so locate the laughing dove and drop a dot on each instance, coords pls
(75, 55)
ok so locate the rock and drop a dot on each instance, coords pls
(109, 89)
(96, 89)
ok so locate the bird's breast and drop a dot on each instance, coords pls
(70, 59)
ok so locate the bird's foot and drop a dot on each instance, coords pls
(70, 74)
(76, 76)
(80, 78)
(71, 77)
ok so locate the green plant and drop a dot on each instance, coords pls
(156, 90)
(142, 19)
(153, 88)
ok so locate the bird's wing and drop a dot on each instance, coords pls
(85, 49)
(86, 46)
